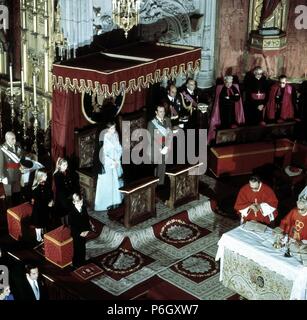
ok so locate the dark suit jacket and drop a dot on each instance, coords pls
(24, 291)
(79, 221)
(65, 187)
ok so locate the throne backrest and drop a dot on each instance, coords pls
(137, 120)
(85, 146)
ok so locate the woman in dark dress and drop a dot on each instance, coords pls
(65, 186)
(42, 200)
(80, 226)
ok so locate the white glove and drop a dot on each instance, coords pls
(164, 150)
(5, 181)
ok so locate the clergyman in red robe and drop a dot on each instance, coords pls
(256, 201)
(295, 222)
(281, 102)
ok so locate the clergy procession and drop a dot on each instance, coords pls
(153, 150)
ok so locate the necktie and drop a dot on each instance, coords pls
(36, 290)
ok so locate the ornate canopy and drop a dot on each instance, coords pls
(132, 67)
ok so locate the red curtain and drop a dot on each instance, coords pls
(134, 101)
(268, 8)
(66, 116)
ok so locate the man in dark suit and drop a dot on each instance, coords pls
(31, 287)
(80, 226)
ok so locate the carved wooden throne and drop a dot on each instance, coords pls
(85, 152)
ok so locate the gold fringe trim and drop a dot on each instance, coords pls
(132, 85)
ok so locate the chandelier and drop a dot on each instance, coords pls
(126, 14)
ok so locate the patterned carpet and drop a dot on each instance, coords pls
(178, 246)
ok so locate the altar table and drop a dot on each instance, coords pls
(252, 267)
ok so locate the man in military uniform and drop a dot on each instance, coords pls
(160, 131)
(10, 154)
(189, 97)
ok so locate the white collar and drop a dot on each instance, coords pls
(11, 146)
(78, 209)
(171, 98)
(160, 120)
(32, 282)
(260, 185)
(190, 91)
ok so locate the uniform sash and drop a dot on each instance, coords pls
(164, 131)
(10, 154)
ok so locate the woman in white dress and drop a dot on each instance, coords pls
(110, 178)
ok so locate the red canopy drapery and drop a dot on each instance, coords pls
(133, 67)
(268, 8)
(66, 116)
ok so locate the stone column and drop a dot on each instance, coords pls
(205, 78)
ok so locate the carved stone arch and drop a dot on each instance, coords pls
(178, 28)
(171, 15)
